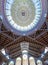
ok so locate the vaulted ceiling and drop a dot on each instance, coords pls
(37, 41)
(11, 42)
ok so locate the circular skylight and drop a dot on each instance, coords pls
(25, 56)
(22, 15)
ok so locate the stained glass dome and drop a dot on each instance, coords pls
(23, 16)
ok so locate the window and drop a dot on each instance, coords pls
(25, 59)
(32, 61)
(18, 61)
(11, 63)
(39, 62)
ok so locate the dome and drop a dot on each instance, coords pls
(24, 16)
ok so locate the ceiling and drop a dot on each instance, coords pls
(18, 18)
(11, 42)
(37, 41)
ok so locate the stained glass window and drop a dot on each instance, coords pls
(32, 61)
(11, 63)
(18, 61)
(39, 62)
(25, 59)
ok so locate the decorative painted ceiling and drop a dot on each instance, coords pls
(11, 42)
(23, 16)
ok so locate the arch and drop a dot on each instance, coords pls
(32, 61)
(39, 62)
(25, 59)
(18, 61)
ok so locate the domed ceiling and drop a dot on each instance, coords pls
(23, 16)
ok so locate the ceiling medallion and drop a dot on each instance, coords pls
(23, 16)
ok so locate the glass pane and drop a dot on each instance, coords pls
(25, 59)
(11, 63)
(32, 61)
(18, 61)
(39, 62)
